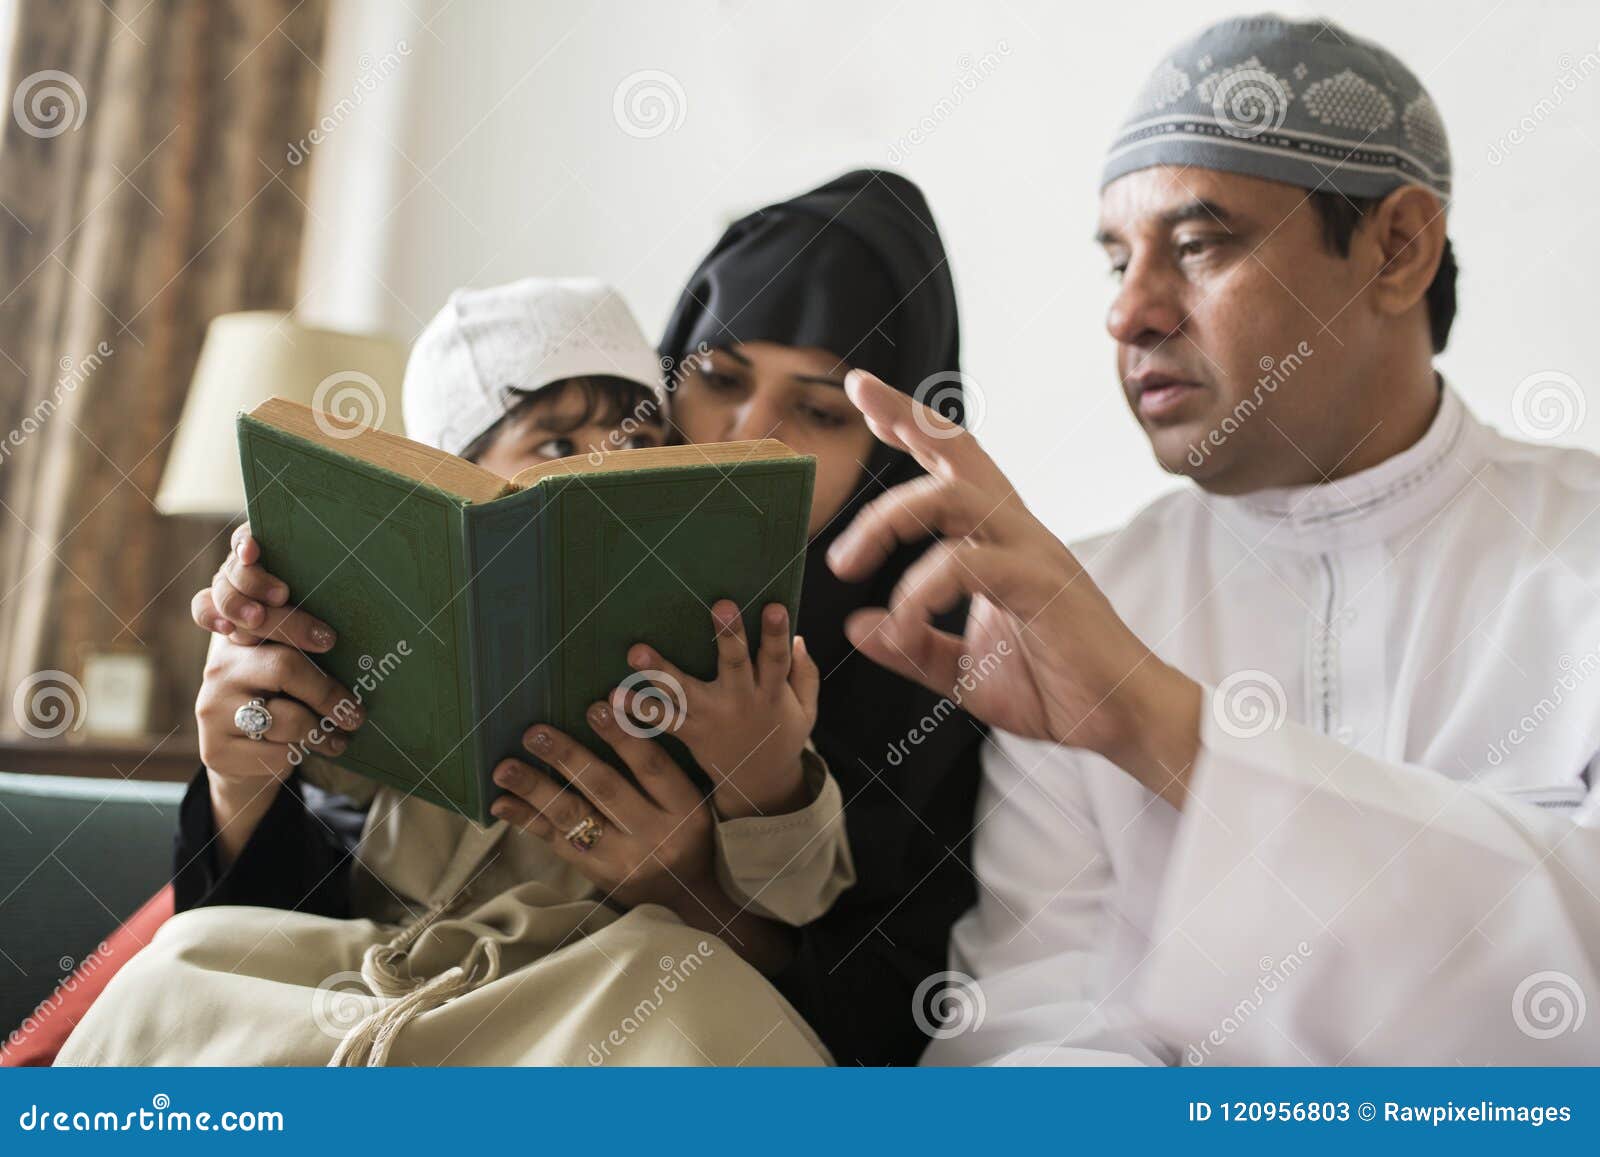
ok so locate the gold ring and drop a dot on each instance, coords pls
(585, 834)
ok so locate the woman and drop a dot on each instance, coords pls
(850, 274)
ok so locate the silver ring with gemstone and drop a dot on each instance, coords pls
(253, 718)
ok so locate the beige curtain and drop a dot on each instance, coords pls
(144, 188)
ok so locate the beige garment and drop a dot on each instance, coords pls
(476, 946)
(413, 854)
(577, 984)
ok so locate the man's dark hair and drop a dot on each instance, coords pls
(607, 400)
(1341, 215)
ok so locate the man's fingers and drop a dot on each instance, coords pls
(946, 573)
(733, 649)
(772, 655)
(964, 492)
(942, 447)
(908, 513)
(915, 649)
(657, 773)
(939, 586)
(879, 404)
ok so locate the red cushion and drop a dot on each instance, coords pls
(41, 1036)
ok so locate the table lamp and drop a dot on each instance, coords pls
(250, 357)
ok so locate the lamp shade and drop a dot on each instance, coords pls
(250, 357)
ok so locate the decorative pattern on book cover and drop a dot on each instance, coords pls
(640, 556)
(380, 558)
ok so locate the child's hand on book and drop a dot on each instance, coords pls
(747, 727)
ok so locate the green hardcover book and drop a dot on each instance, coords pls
(469, 606)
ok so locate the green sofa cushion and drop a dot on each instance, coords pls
(78, 856)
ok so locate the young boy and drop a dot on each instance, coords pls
(539, 368)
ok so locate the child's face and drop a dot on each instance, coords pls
(562, 423)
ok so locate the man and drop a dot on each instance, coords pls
(1301, 760)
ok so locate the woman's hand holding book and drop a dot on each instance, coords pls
(248, 605)
(252, 662)
(651, 843)
(654, 845)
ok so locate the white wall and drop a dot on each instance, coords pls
(490, 151)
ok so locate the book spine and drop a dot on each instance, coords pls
(477, 808)
(548, 610)
(504, 556)
(797, 568)
(460, 789)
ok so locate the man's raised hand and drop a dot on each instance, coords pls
(1043, 654)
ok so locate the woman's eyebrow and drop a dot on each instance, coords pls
(819, 379)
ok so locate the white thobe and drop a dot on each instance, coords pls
(1390, 852)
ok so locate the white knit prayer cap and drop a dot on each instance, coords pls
(486, 345)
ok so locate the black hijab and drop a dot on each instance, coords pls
(857, 267)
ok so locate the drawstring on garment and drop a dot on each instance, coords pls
(383, 967)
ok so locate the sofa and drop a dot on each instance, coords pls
(82, 862)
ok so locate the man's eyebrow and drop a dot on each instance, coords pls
(1198, 209)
